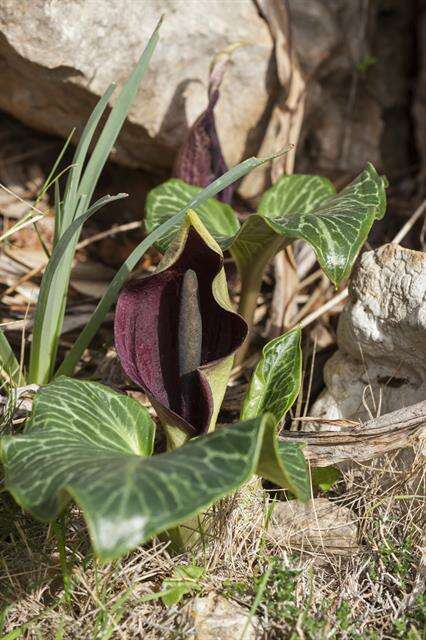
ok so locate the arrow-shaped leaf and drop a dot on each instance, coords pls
(296, 207)
(276, 380)
(273, 388)
(87, 443)
(172, 196)
(338, 227)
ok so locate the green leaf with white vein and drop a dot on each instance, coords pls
(296, 207)
(273, 388)
(172, 196)
(296, 467)
(297, 193)
(338, 228)
(88, 443)
(276, 380)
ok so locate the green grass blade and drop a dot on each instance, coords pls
(9, 365)
(43, 348)
(78, 193)
(52, 177)
(47, 183)
(30, 217)
(110, 296)
(115, 122)
(27, 219)
(58, 213)
(71, 187)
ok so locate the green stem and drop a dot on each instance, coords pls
(251, 282)
(250, 290)
(59, 530)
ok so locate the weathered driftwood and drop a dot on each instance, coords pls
(391, 431)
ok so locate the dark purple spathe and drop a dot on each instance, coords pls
(146, 331)
(200, 159)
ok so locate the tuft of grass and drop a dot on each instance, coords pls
(373, 594)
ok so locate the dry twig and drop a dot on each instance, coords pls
(391, 431)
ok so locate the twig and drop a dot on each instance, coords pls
(84, 243)
(109, 232)
(29, 205)
(410, 223)
(396, 430)
(30, 274)
(324, 308)
(319, 291)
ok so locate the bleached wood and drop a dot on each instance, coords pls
(391, 431)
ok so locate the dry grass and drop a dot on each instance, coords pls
(372, 593)
(315, 595)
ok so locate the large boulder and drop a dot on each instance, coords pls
(326, 72)
(59, 56)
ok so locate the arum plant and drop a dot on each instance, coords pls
(176, 334)
(304, 207)
(72, 209)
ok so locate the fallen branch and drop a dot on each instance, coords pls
(391, 431)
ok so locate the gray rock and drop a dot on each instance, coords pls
(317, 525)
(346, 72)
(59, 56)
(215, 618)
(343, 124)
(381, 362)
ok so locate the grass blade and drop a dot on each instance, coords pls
(9, 365)
(70, 195)
(78, 194)
(40, 361)
(110, 296)
(115, 121)
(58, 212)
(50, 178)
(30, 217)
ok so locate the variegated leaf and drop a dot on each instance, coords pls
(296, 207)
(273, 388)
(296, 469)
(276, 380)
(297, 193)
(339, 226)
(172, 196)
(88, 443)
